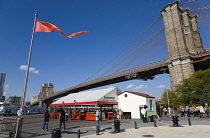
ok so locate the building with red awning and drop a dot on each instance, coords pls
(94, 98)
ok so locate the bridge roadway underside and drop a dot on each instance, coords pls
(200, 63)
(144, 75)
(147, 73)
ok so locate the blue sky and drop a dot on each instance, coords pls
(67, 62)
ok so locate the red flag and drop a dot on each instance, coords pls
(74, 34)
(48, 27)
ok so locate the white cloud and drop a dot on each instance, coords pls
(6, 86)
(31, 69)
(156, 76)
(161, 86)
(4, 93)
(111, 87)
(141, 87)
(36, 72)
(129, 86)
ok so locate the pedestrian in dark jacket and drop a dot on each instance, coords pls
(46, 121)
(62, 118)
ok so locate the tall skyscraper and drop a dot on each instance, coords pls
(2, 80)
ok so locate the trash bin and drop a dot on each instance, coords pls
(116, 126)
(56, 133)
(175, 121)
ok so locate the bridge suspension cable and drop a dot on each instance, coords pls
(200, 9)
(123, 62)
(207, 16)
(141, 54)
(130, 44)
(130, 54)
(189, 2)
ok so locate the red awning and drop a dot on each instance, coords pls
(85, 103)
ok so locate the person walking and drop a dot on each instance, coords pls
(182, 111)
(202, 112)
(144, 112)
(62, 118)
(197, 111)
(169, 111)
(193, 108)
(165, 111)
(46, 121)
(97, 115)
(206, 109)
(19, 112)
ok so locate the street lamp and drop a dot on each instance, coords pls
(166, 88)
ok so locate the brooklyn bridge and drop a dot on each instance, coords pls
(178, 38)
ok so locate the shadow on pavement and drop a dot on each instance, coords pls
(121, 130)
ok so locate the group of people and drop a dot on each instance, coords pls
(187, 111)
(119, 114)
(62, 118)
(146, 115)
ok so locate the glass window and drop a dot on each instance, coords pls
(151, 105)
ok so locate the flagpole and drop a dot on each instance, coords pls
(29, 61)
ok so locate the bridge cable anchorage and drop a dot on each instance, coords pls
(124, 48)
(130, 54)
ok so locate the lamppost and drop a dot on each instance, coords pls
(166, 89)
(167, 93)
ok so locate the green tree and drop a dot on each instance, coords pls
(172, 98)
(195, 89)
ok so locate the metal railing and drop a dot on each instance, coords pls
(7, 126)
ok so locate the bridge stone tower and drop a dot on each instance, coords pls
(183, 39)
(45, 91)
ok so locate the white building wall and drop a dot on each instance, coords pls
(131, 104)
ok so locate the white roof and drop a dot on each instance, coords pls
(87, 96)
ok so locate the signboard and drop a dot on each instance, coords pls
(109, 99)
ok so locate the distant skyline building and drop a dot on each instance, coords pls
(34, 98)
(14, 100)
(2, 80)
(45, 91)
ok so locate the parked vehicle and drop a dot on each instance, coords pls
(11, 109)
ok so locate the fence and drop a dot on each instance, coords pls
(7, 126)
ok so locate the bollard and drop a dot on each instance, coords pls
(135, 124)
(116, 126)
(155, 123)
(78, 133)
(175, 121)
(97, 131)
(189, 121)
(56, 133)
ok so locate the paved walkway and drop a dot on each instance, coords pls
(164, 129)
(195, 131)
